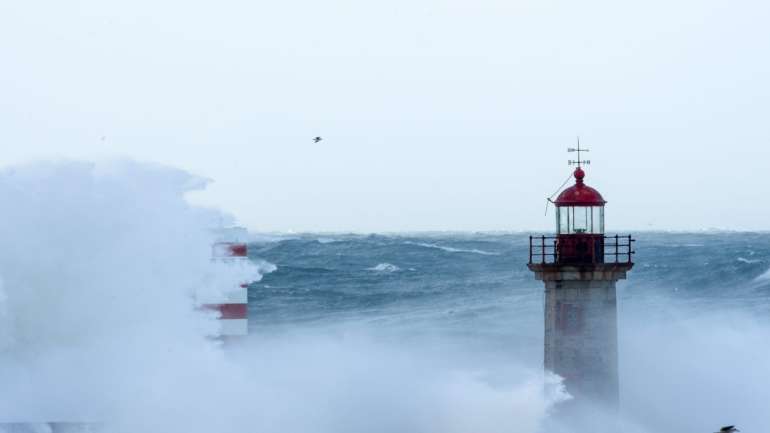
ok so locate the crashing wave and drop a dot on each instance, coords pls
(100, 270)
(264, 267)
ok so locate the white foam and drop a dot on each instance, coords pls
(748, 261)
(451, 249)
(99, 267)
(384, 267)
(327, 240)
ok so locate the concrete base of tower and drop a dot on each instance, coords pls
(594, 272)
(581, 342)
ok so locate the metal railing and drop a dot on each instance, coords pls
(581, 249)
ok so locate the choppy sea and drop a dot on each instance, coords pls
(693, 314)
(479, 283)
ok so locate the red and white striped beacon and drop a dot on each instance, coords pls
(233, 306)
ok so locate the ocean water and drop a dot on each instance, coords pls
(479, 284)
(693, 314)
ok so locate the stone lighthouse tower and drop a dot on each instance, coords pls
(579, 267)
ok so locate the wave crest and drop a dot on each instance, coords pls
(452, 249)
(384, 268)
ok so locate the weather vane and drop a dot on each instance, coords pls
(577, 149)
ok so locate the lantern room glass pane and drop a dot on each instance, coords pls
(562, 220)
(579, 219)
(582, 219)
(598, 219)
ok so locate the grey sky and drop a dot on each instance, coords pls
(436, 114)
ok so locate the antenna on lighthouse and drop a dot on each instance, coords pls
(578, 149)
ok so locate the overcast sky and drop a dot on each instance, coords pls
(436, 115)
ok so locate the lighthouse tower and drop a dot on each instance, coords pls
(580, 266)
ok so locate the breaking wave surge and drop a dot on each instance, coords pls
(100, 267)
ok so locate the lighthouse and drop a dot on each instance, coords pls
(580, 266)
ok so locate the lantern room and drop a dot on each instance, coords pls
(580, 209)
(580, 238)
(580, 223)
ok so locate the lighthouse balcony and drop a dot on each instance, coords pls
(581, 250)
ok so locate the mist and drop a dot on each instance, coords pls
(693, 369)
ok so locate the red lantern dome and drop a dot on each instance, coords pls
(580, 194)
(580, 209)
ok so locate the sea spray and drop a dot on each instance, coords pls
(348, 380)
(695, 367)
(6, 323)
(101, 264)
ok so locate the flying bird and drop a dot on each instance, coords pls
(728, 429)
(317, 139)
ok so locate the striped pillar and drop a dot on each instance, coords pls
(233, 305)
